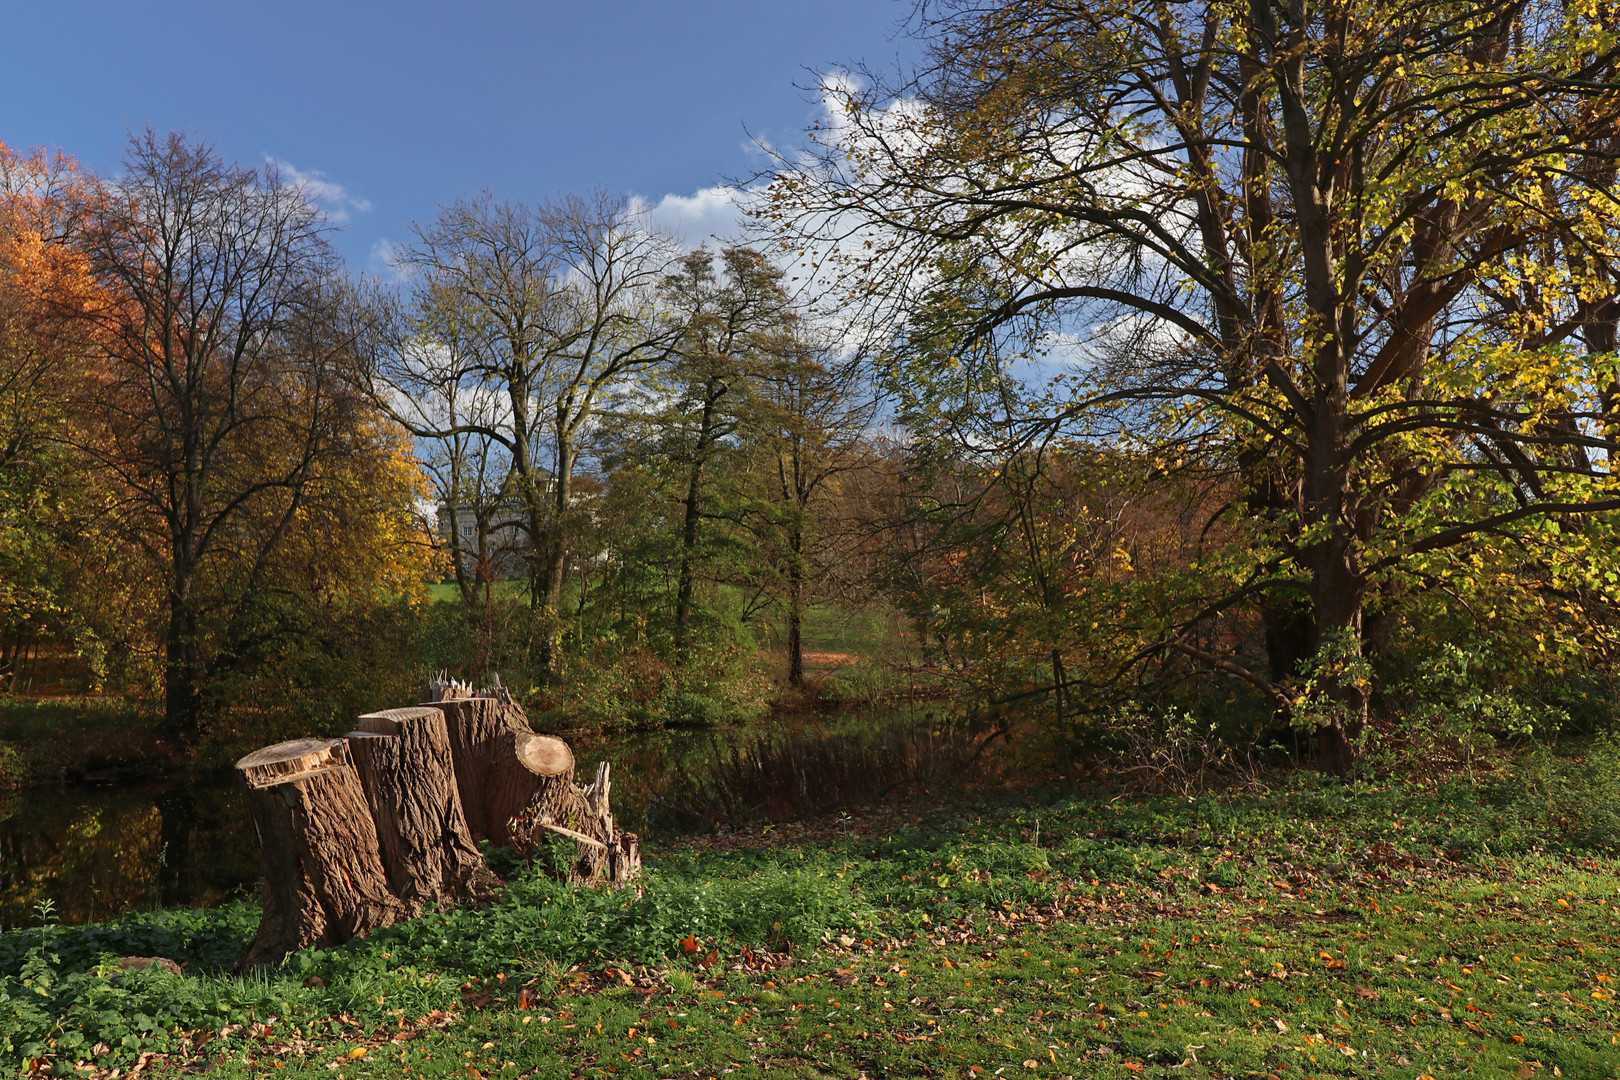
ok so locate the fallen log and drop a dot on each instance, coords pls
(405, 766)
(324, 881)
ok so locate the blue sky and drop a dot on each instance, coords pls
(402, 106)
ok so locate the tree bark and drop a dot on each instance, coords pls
(324, 881)
(403, 758)
(182, 702)
(692, 514)
(502, 767)
(795, 619)
(1338, 593)
(517, 785)
(614, 858)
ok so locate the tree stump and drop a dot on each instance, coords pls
(615, 858)
(324, 881)
(442, 687)
(516, 784)
(403, 758)
(502, 767)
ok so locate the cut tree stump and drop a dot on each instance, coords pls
(502, 766)
(614, 859)
(324, 881)
(516, 784)
(604, 854)
(403, 758)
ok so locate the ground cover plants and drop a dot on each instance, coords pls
(1314, 928)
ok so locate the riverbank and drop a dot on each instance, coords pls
(107, 740)
(97, 850)
(1361, 930)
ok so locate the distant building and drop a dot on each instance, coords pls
(506, 539)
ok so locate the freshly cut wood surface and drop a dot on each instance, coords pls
(390, 721)
(544, 755)
(287, 759)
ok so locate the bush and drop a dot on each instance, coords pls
(13, 769)
(1576, 797)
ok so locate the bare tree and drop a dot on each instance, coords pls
(427, 354)
(553, 305)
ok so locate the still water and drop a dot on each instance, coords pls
(78, 854)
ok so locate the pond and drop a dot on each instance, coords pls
(79, 854)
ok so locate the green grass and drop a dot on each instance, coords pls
(1319, 930)
(446, 592)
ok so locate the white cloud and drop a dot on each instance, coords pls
(387, 261)
(712, 216)
(334, 199)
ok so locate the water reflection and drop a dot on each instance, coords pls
(96, 852)
(677, 781)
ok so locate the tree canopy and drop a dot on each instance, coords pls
(1352, 261)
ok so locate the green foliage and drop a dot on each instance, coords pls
(62, 985)
(1172, 748)
(53, 737)
(1574, 797)
(13, 766)
(718, 683)
(1457, 699)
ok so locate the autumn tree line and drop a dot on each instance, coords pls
(1248, 364)
(232, 471)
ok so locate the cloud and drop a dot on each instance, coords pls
(386, 260)
(712, 215)
(334, 199)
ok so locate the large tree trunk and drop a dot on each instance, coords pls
(1339, 592)
(795, 614)
(692, 516)
(403, 758)
(324, 881)
(503, 768)
(182, 703)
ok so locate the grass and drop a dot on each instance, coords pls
(1314, 930)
